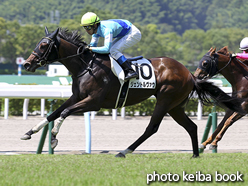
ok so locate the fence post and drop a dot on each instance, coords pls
(25, 108)
(206, 131)
(212, 121)
(114, 114)
(44, 132)
(42, 107)
(214, 124)
(87, 132)
(6, 108)
(199, 110)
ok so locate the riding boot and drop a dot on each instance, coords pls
(126, 66)
(128, 70)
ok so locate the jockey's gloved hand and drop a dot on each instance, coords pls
(87, 47)
(234, 55)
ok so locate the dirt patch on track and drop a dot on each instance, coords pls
(111, 136)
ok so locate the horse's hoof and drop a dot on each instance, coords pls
(25, 137)
(202, 146)
(54, 143)
(212, 147)
(195, 156)
(120, 155)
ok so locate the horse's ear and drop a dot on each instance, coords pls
(46, 31)
(54, 34)
(224, 50)
(212, 51)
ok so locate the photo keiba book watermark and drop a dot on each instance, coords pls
(197, 177)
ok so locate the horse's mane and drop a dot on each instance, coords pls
(73, 37)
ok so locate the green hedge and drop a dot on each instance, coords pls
(144, 108)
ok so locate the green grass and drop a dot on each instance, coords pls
(105, 169)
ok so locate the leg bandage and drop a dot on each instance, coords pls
(57, 126)
(40, 125)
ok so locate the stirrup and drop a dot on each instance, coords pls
(131, 76)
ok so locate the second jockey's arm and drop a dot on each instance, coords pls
(242, 55)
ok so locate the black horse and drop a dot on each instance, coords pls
(95, 86)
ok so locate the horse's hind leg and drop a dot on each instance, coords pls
(152, 128)
(182, 119)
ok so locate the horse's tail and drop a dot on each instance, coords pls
(208, 92)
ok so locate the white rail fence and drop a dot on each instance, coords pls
(26, 92)
(43, 92)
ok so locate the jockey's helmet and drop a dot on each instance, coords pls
(244, 44)
(89, 18)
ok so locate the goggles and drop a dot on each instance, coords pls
(87, 27)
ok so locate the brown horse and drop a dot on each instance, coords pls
(236, 72)
(95, 86)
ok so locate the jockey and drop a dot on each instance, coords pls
(118, 35)
(244, 48)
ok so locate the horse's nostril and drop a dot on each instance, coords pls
(201, 76)
(26, 66)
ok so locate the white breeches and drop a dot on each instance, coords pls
(119, 45)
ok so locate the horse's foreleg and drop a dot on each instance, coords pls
(151, 129)
(212, 137)
(50, 118)
(218, 129)
(78, 106)
(35, 129)
(55, 131)
(234, 117)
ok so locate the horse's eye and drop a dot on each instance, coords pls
(204, 63)
(43, 46)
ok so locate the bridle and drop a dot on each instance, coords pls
(213, 68)
(43, 56)
(52, 43)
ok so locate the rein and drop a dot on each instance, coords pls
(213, 61)
(244, 65)
(72, 56)
(230, 56)
(48, 51)
(89, 68)
(89, 65)
(43, 57)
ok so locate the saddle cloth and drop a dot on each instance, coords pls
(145, 80)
